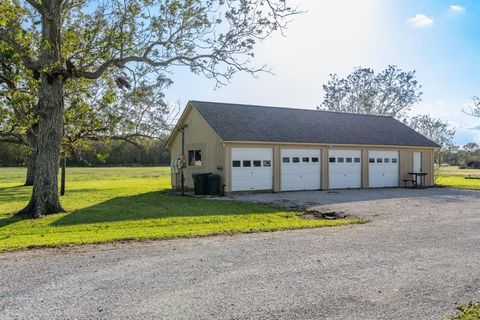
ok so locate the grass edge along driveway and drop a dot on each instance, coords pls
(470, 311)
(111, 204)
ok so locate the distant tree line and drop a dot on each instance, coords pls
(466, 156)
(145, 152)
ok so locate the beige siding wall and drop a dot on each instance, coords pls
(406, 164)
(405, 160)
(324, 169)
(364, 167)
(199, 135)
(276, 168)
(428, 166)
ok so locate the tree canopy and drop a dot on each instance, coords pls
(434, 129)
(391, 92)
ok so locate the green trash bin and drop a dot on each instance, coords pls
(213, 184)
(200, 183)
(195, 183)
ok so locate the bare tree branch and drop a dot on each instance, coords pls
(120, 63)
(473, 110)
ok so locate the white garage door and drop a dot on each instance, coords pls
(252, 169)
(300, 169)
(344, 169)
(382, 169)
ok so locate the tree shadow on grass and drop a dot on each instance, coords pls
(14, 193)
(8, 221)
(23, 193)
(154, 205)
(12, 187)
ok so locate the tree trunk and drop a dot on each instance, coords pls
(30, 161)
(45, 199)
(30, 170)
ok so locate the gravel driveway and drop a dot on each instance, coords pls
(418, 256)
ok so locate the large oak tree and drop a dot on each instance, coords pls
(65, 41)
(391, 92)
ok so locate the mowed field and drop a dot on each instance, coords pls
(109, 204)
(455, 178)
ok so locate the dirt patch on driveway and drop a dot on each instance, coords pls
(329, 215)
(365, 203)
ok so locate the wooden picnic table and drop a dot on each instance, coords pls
(416, 175)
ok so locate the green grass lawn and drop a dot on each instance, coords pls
(108, 204)
(469, 311)
(453, 177)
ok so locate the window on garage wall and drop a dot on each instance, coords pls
(394, 160)
(340, 160)
(195, 158)
(295, 159)
(371, 160)
(348, 160)
(236, 163)
(286, 159)
(247, 163)
(257, 163)
(357, 160)
(379, 160)
(305, 159)
(332, 160)
(267, 163)
(315, 159)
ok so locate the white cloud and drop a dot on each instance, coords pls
(455, 8)
(420, 20)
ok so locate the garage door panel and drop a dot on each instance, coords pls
(344, 169)
(304, 174)
(252, 169)
(383, 169)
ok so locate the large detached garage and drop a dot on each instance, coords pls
(258, 148)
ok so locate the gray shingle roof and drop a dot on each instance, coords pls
(237, 122)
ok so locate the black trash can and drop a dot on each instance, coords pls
(213, 184)
(195, 183)
(200, 183)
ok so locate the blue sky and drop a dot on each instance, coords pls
(439, 39)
